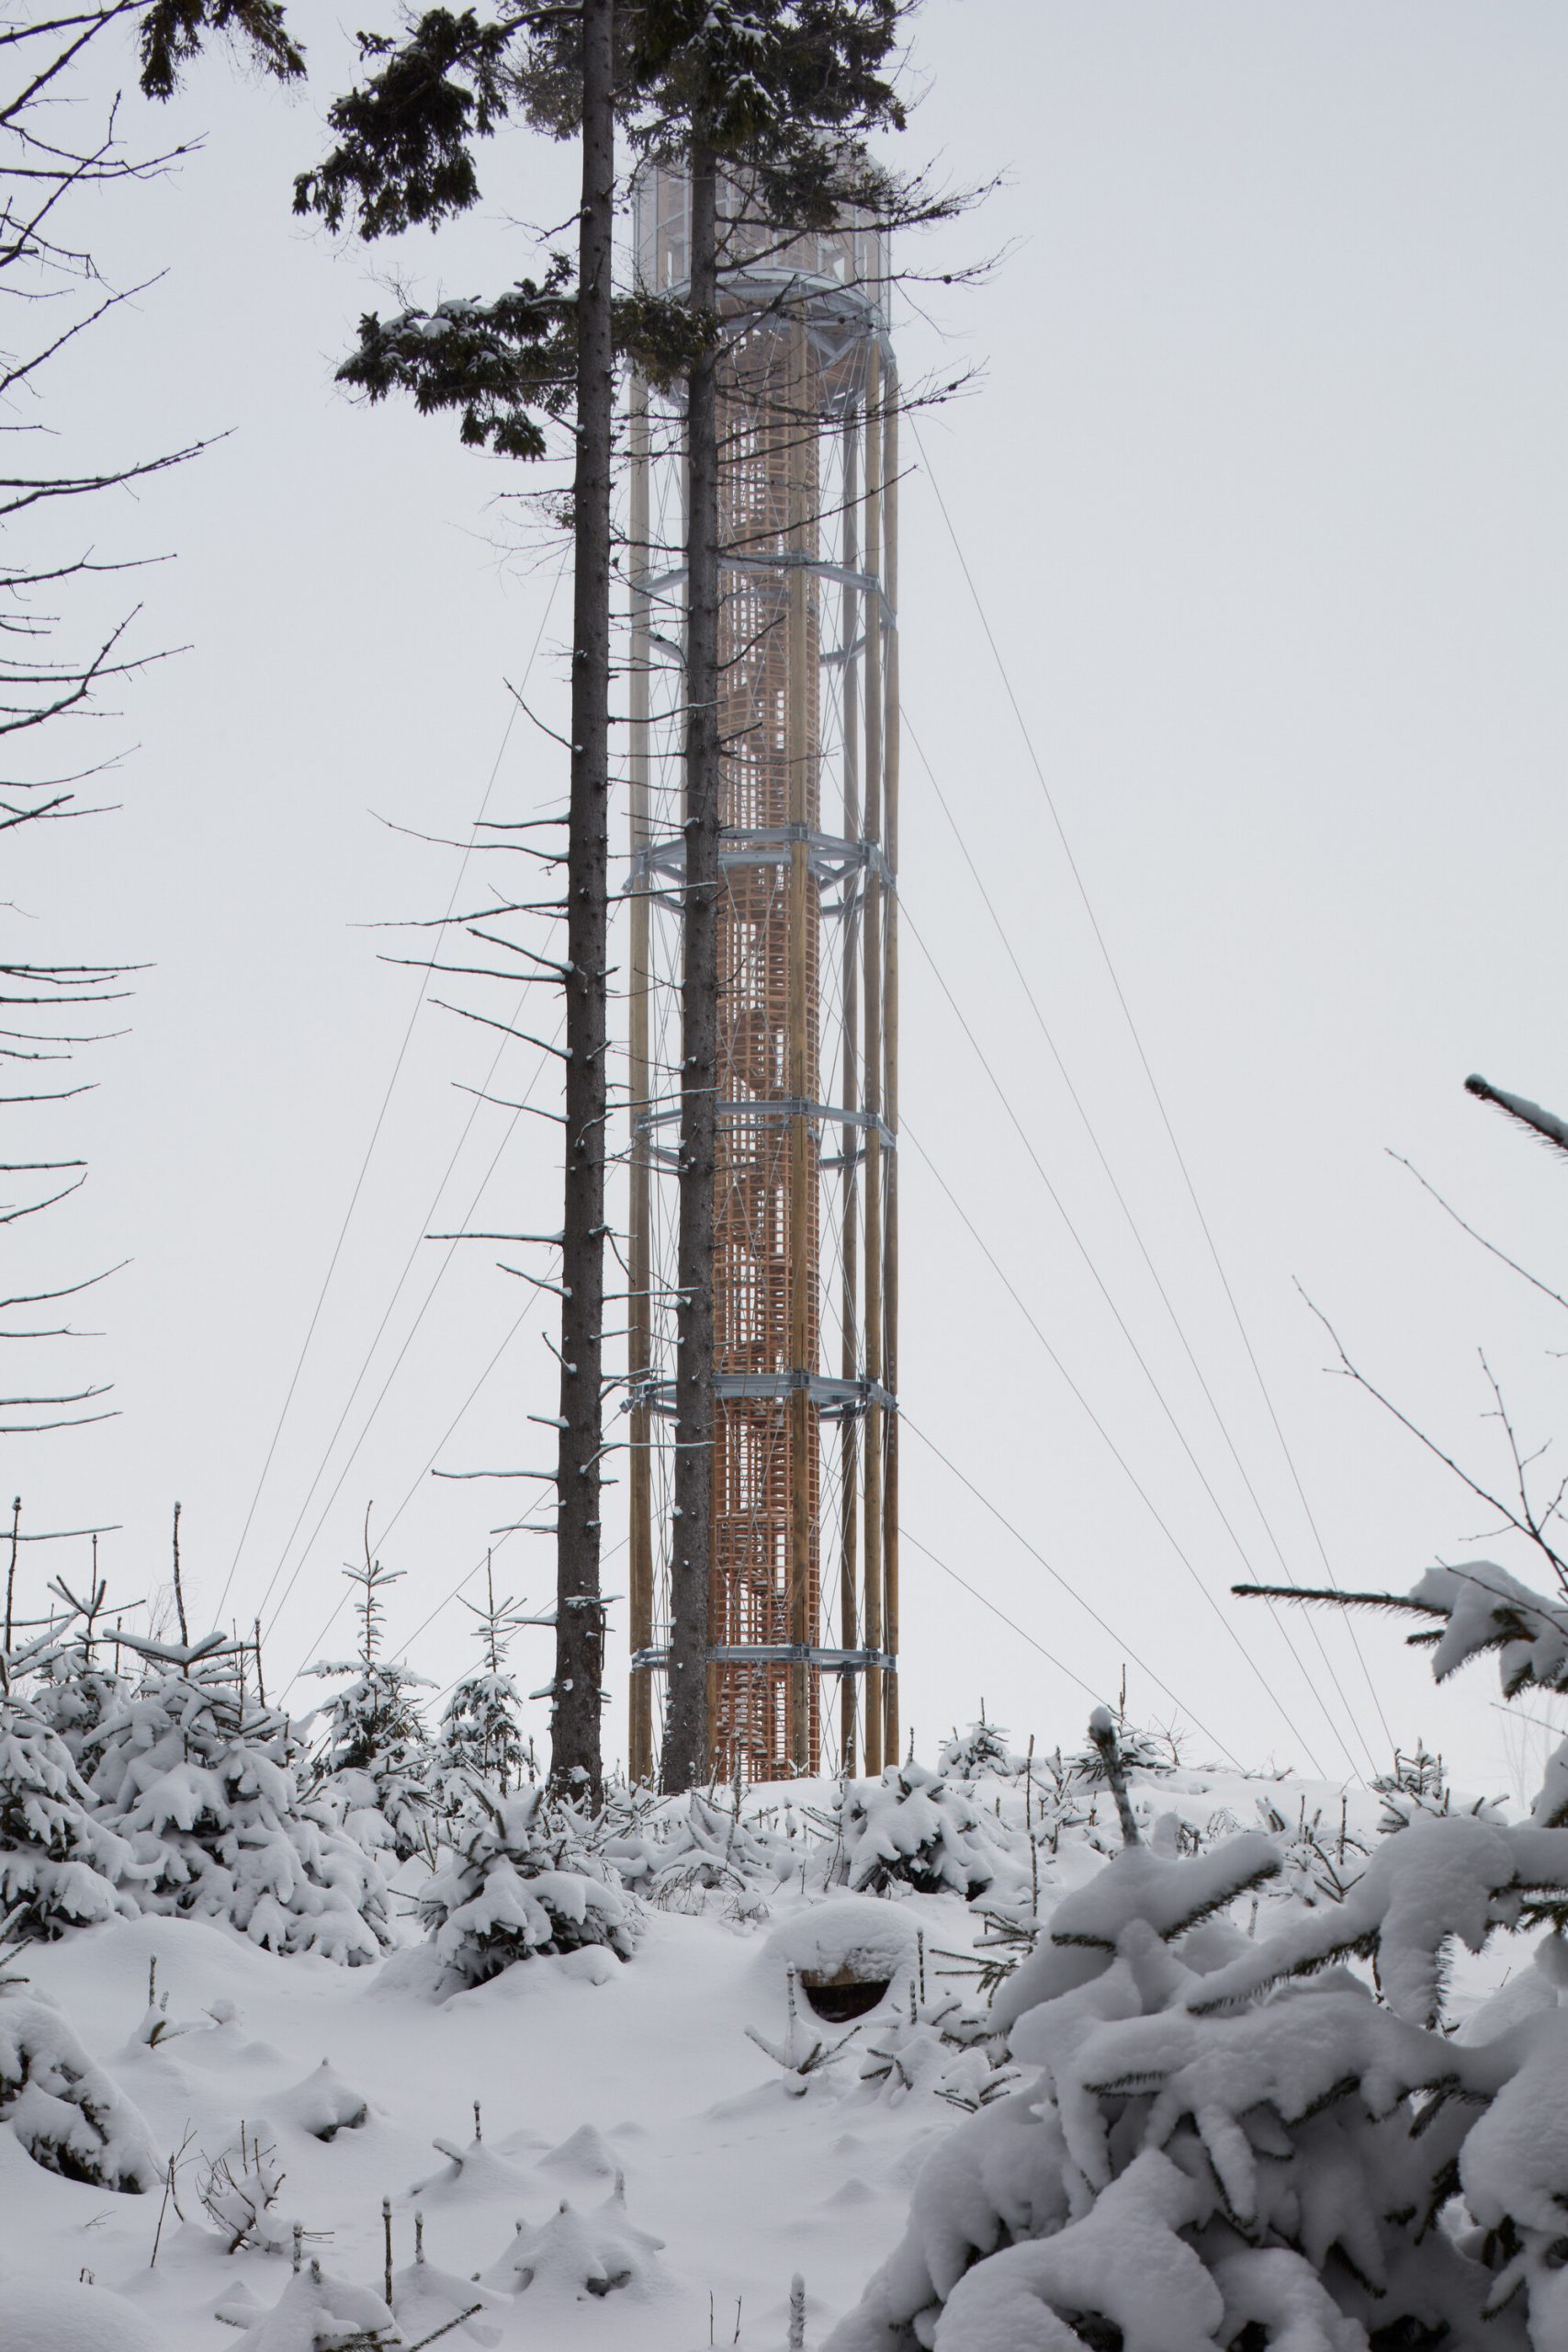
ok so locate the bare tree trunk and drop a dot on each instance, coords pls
(687, 1733)
(576, 1764)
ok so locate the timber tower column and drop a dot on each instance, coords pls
(803, 1603)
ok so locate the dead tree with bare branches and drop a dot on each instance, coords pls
(59, 161)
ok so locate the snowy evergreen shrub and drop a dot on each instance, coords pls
(76, 1692)
(1139, 1751)
(481, 1727)
(1418, 1788)
(932, 2051)
(686, 1853)
(204, 1787)
(62, 2107)
(372, 1779)
(1420, 1775)
(522, 1881)
(913, 1828)
(480, 1739)
(1226, 2142)
(372, 1773)
(61, 1865)
(983, 1748)
(316, 2312)
(1321, 1861)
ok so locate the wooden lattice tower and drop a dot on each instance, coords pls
(805, 1576)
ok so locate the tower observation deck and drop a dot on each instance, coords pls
(804, 1601)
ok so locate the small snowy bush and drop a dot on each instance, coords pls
(481, 1738)
(203, 1785)
(1139, 1751)
(61, 1865)
(372, 1778)
(317, 2312)
(968, 1756)
(912, 1828)
(1226, 2142)
(372, 1775)
(238, 2192)
(523, 1881)
(574, 2256)
(63, 2107)
(74, 1692)
(685, 1853)
(1320, 1863)
(431, 2302)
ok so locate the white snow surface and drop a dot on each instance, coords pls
(70, 2318)
(639, 2153)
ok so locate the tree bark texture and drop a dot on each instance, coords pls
(576, 1764)
(687, 1733)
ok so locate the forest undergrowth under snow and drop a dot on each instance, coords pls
(326, 2044)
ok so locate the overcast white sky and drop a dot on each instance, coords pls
(1264, 496)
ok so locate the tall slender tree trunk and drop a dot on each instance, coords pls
(687, 1735)
(576, 1764)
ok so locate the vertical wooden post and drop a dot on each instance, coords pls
(688, 1709)
(799, 739)
(639, 1341)
(890, 1073)
(851, 620)
(872, 1062)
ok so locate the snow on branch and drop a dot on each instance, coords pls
(1551, 1129)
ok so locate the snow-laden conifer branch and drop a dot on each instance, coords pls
(1544, 1123)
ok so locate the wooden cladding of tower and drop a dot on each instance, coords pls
(804, 1589)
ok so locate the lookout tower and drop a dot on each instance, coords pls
(803, 1604)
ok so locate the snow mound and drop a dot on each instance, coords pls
(71, 2318)
(427, 2300)
(471, 2172)
(317, 2313)
(586, 2151)
(872, 1940)
(574, 2256)
(324, 2104)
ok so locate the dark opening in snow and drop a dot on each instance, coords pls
(841, 1996)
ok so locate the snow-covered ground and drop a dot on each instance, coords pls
(693, 2170)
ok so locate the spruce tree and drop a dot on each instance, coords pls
(373, 1771)
(61, 1865)
(546, 352)
(481, 1730)
(522, 1883)
(78, 1682)
(204, 1787)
